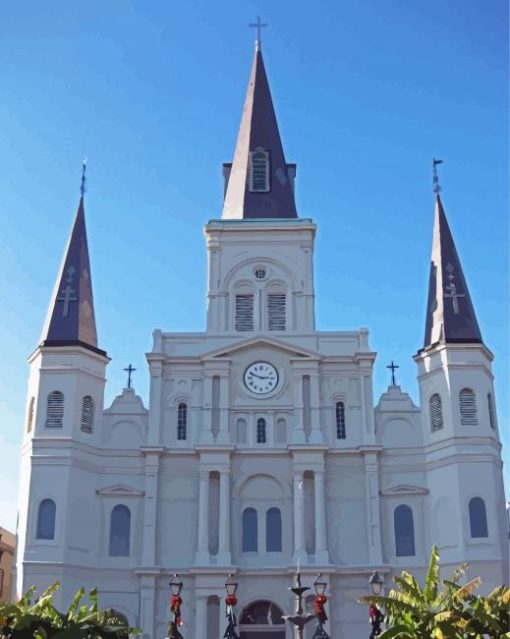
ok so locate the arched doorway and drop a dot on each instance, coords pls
(262, 620)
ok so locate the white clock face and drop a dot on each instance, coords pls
(260, 378)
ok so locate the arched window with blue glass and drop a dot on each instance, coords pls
(46, 514)
(120, 531)
(273, 530)
(404, 531)
(261, 431)
(478, 518)
(249, 530)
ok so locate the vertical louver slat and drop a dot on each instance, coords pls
(244, 312)
(436, 412)
(87, 414)
(276, 309)
(55, 410)
(467, 405)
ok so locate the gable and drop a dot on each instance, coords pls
(120, 490)
(404, 489)
(291, 350)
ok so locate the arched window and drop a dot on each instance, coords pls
(276, 311)
(490, 406)
(120, 530)
(259, 171)
(467, 405)
(404, 531)
(182, 421)
(30, 418)
(87, 414)
(249, 543)
(261, 430)
(478, 518)
(436, 412)
(55, 410)
(273, 530)
(281, 431)
(340, 420)
(46, 519)
(244, 307)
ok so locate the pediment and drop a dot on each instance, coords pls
(404, 489)
(291, 349)
(120, 490)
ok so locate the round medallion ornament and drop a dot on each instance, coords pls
(260, 378)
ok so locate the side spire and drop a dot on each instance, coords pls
(70, 319)
(450, 314)
(260, 183)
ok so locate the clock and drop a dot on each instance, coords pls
(260, 378)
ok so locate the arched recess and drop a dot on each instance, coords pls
(276, 306)
(243, 307)
(478, 518)
(262, 613)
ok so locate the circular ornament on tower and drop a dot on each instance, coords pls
(260, 378)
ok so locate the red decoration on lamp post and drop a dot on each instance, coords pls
(175, 608)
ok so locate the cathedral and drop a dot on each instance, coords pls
(261, 448)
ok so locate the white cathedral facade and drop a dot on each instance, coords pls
(261, 445)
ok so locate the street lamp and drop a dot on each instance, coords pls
(375, 615)
(175, 608)
(230, 602)
(320, 600)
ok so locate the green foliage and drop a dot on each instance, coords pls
(443, 609)
(41, 620)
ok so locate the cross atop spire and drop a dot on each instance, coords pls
(435, 177)
(83, 177)
(258, 25)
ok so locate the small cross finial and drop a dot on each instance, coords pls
(83, 177)
(129, 370)
(258, 25)
(393, 368)
(435, 177)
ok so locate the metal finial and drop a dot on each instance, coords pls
(435, 178)
(83, 177)
(129, 370)
(258, 25)
(393, 368)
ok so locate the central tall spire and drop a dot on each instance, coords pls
(260, 184)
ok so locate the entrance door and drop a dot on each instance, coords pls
(262, 620)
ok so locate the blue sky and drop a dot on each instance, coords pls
(366, 93)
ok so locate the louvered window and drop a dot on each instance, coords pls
(259, 171)
(467, 404)
(182, 421)
(436, 412)
(87, 414)
(492, 416)
(55, 410)
(244, 312)
(30, 419)
(340, 420)
(276, 307)
(261, 431)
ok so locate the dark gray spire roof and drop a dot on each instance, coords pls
(259, 130)
(450, 314)
(70, 319)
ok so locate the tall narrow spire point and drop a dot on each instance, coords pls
(260, 182)
(83, 177)
(450, 314)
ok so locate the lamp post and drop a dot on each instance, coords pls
(320, 600)
(298, 618)
(375, 615)
(230, 602)
(175, 608)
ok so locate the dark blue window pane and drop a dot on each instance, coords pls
(249, 530)
(273, 530)
(404, 531)
(120, 525)
(478, 518)
(46, 519)
(261, 431)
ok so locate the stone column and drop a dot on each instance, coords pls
(147, 605)
(155, 401)
(201, 616)
(298, 431)
(150, 505)
(202, 556)
(372, 507)
(224, 556)
(207, 436)
(223, 434)
(299, 538)
(321, 545)
(316, 433)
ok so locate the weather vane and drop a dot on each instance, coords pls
(258, 25)
(83, 177)
(437, 188)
